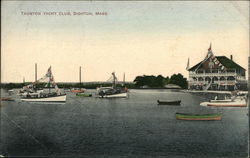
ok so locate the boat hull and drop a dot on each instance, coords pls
(6, 99)
(61, 98)
(178, 102)
(236, 103)
(232, 104)
(119, 95)
(83, 94)
(77, 91)
(205, 117)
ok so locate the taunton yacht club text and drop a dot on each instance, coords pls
(68, 13)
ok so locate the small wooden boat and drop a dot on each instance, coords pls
(78, 90)
(176, 102)
(198, 117)
(6, 99)
(228, 104)
(84, 94)
(11, 91)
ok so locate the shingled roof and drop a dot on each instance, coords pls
(226, 62)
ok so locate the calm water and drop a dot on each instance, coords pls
(133, 127)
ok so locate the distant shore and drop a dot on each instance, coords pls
(94, 85)
(87, 85)
(212, 91)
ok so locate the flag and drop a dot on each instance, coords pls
(48, 74)
(187, 64)
(210, 48)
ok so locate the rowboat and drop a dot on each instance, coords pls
(176, 102)
(198, 117)
(77, 90)
(84, 94)
(6, 99)
(11, 91)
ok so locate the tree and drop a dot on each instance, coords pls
(179, 80)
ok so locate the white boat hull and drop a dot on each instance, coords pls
(61, 98)
(241, 103)
(120, 95)
(229, 104)
(221, 101)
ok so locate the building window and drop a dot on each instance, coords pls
(215, 79)
(222, 79)
(231, 78)
(200, 79)
(231, 70)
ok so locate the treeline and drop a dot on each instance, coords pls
(139, 82)
(65, 85)
(160, 81)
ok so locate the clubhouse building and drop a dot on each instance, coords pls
(217, 73)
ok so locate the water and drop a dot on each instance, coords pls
(133, 127)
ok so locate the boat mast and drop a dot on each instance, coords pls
(50, 79)
(123, 79)
(113, 79)
(36, 72)
(35, 75)
(80, 75)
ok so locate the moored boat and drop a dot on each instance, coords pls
(226, 99)
(198, 117)
(78, 90)
(118, 95)
(84, 94)
(221, 101)
(47, 98)
(112, 92)
(31, 94)
(228, 104)
(10, 91)
(234, 102)
(176, 102)
(6, 99)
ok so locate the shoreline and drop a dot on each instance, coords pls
(211, 91)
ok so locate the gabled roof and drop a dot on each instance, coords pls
(226, 62)
(195, 66)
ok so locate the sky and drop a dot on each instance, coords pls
(135, 38)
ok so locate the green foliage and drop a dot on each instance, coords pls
(12, 85)
(179, 80)
(150, 81)
(160, 81)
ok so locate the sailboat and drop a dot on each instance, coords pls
(31, 93)
(78, 90)
(112, 92)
